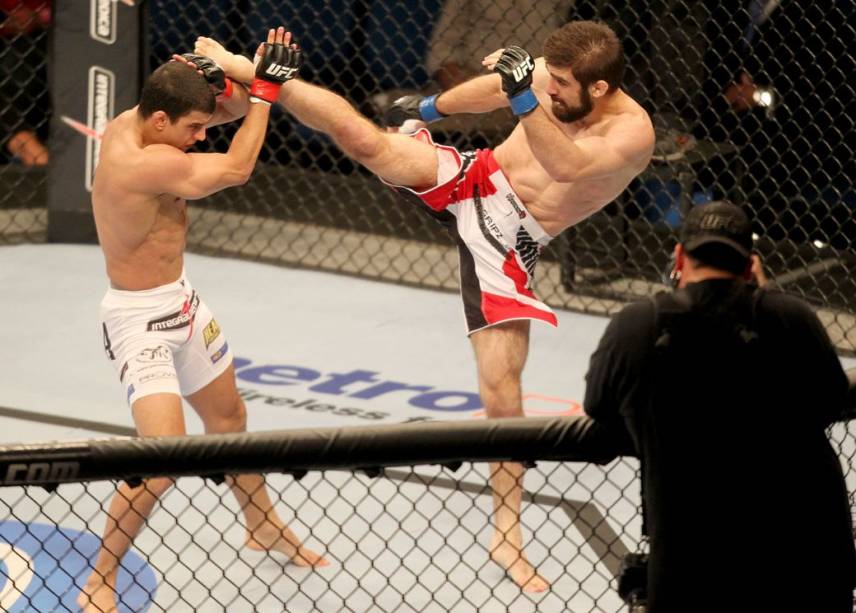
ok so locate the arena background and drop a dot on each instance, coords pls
(789, 164)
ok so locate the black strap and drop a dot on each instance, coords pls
(679, 302)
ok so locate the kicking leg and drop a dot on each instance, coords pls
(501, 352)
(396, 158)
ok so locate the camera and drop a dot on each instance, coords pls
(633, 580)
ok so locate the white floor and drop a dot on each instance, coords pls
(53, 361)
(397, 544)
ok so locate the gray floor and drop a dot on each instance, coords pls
(56, 384)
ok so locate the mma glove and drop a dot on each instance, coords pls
(274, 67)
(413, 106)
(213, 73)
(515, 66)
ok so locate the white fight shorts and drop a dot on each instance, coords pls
(162, 340)
(498, 240)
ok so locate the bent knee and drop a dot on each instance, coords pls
(360, 140)
(233, 420)
(505, 401)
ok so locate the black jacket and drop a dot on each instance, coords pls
(727, 397)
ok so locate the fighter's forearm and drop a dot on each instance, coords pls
(479, 95)
(556, 153)
(247, 142)
(231, 108)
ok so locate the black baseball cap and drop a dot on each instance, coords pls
(717, 222)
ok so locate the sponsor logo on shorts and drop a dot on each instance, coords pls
(511, 199)
(153, 376)
(101, 98)
(218, 355)
(131, 391)
(210, 333)
(174, 321)
(160, 354)
(123, 371)
(102, 21)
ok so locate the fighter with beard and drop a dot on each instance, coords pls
(579, 142)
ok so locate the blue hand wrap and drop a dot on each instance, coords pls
(523, 103)
(428, 109)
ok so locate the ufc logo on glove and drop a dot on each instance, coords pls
(278, 70)
(524, 69)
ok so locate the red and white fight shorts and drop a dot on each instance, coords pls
(498, 240)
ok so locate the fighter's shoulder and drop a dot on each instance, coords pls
(165, 158)
(631, 130)
(632, 117)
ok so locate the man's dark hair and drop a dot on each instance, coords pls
(176, 89)
(592, 51)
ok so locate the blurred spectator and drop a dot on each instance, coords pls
(769, 76)
(25, 107)
(779, 87)
(468, 30)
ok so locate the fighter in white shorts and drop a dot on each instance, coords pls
(498, 240)
(162, 340)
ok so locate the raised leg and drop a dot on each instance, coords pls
(396, 158)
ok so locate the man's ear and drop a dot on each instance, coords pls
(160, 120)
(598, 88)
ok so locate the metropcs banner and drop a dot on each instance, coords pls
(369, 395)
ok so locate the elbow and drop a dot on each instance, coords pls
(241, 175)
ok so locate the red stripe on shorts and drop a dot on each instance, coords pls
(513, 271)
(499, 308)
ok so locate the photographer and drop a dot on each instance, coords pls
(726, 390)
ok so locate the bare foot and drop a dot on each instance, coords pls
(286, 542)
(235, 66)
(514, 561)
(97, 596)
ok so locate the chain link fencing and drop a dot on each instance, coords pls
(415, 538)
(776, 144)
(400, 535)
(24, 119)
(751, 102)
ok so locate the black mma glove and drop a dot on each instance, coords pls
(413, 106)
(516, 66)
(277, 65)
(213, 73)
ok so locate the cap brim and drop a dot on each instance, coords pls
(697, 241)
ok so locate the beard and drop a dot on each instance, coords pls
(569, 114)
